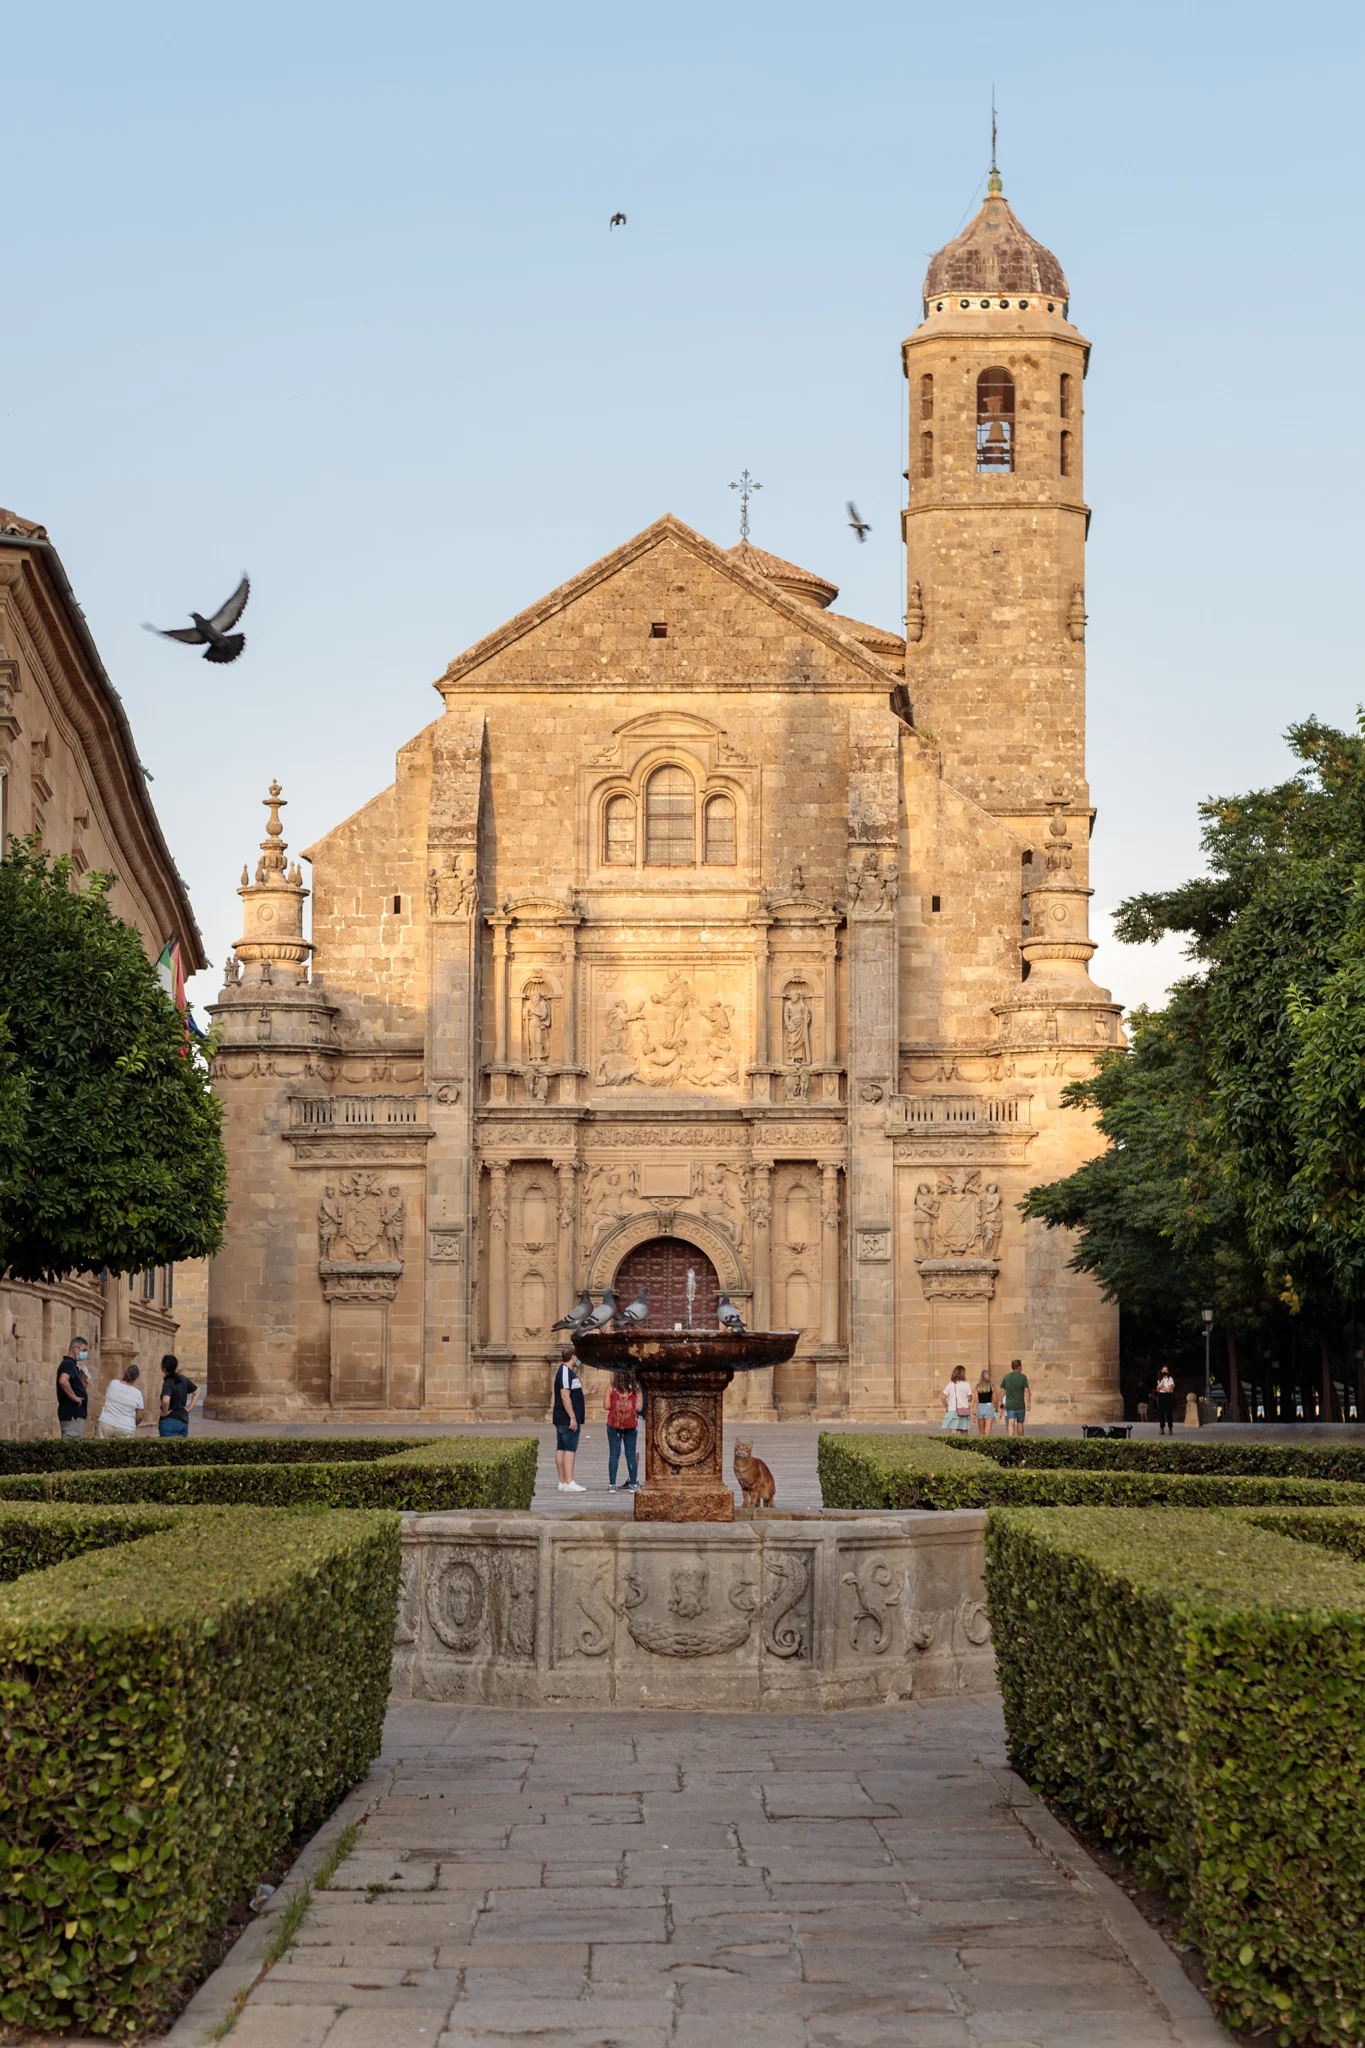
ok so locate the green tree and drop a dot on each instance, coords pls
(1236, 1166)
(111, 1150)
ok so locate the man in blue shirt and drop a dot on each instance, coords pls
(567, 1416)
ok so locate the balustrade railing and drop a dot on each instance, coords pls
(326, 1112)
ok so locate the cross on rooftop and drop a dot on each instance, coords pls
(745, 487)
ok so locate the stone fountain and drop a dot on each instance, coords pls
(777, 1610)
(684, 1374)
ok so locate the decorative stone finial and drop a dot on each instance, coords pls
(273, 907)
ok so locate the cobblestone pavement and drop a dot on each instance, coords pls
(871, 1879)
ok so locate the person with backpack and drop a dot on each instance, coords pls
(622, 1403)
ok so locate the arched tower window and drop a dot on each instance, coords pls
(719, 836)
(926, 398)
(670, 819)
(1064, 396)
(618, 836)
(926, 454)
(1066, 452)
(995, 420)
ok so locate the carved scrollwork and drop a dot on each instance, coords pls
(689, 1626)
(786, 1631)
(877, 1588)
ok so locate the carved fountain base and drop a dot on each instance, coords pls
(771, 1613)
(684, 1374)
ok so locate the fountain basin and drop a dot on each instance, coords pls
(684, 1374)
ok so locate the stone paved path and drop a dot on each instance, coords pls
(859, 1880)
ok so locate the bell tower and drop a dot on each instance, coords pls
(996, 522)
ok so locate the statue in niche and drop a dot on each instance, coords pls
(232, 972)
(926, 1215)
(992, 1219)
(329, 1221)
(392, 1217)
(537, 1017)
(796, 1023)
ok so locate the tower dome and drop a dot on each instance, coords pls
(994, 254)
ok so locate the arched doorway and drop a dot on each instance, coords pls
(662, 1264)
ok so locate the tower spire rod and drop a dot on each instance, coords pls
(994, 184)
(746, 486)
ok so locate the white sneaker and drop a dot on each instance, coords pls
(572, 1486)
(562, 1487)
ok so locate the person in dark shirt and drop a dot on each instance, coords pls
(73, 1389)
(567, 1416)
(178, 1396)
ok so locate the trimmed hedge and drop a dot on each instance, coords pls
(87, 1454)
(1189, 1686)
(438, 1474)
(33, 1539)
(1166, 1454)
(1336, 1528)
(176, 1709)
(928, 1472)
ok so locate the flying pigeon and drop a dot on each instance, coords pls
(618, 220)
(578, 1315)
(729, 1317)
(604, 1312)
(859, 525)
(218, 643)
(634, 1311)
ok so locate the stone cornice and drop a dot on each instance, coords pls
(86, 700)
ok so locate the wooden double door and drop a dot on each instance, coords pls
(662, 1264)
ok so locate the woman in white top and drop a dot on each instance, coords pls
(123, 1405)
(957, 1400)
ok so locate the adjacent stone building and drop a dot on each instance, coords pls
(707, 939)
(69, 771)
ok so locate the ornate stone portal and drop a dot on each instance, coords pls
(684, 1374)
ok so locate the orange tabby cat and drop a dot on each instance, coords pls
(756, 1481)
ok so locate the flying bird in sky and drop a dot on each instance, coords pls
(860, 526)
(618, 220)
(213, 635)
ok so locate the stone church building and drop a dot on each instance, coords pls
(708, 938)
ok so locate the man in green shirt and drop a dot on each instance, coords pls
(1018, 1400)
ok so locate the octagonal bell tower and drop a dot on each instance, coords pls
(996, 521)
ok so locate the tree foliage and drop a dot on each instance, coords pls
(1235, 1171)
(111, 1151)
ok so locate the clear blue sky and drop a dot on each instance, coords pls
(328, 293)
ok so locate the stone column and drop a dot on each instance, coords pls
(761, 1214)
(497, 1255)
(565, 1170)
(569, 930)
(500, 927)
(831, 993)
(761, 1086)
(829, 1254)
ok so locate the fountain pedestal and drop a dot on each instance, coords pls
(684, 1374)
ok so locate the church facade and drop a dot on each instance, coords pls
(707, 939)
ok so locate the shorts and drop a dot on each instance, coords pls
(72, 1426)
(1015, 1415)
(985, 1411)
(111, 1429)
(172, 1425)
(566, 1439)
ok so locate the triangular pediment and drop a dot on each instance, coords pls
(811, 625)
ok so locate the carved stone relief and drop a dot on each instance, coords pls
(673, 1028)
(957, 1217)
(873, 882)
(876, 1587)
(481, 1600)
(679, 1613)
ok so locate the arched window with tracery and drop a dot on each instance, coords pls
(926, 398)
(719, 835)
(618, 834)
(670, 819)
(995, 420)
(926, 454)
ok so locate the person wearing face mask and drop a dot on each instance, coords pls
(73, 1389)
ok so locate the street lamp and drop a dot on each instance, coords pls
(1207, 1313)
